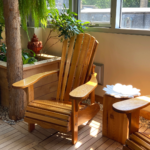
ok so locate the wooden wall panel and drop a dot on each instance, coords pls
(47, 85)
(36, 70)
(4, 97)
(46, 80)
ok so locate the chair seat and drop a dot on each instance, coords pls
(51, 112)
(138, 141)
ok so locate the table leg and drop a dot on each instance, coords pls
(133, 119)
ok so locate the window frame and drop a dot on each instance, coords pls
(102, 25)
(115, 21)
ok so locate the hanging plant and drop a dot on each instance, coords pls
(37, 8)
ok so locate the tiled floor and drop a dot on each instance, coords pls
(14, 137)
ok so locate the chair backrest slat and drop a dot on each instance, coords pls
(76, 64)
(87, 60)
(92, 60)
(68, 61)
(82, 57)
(62, 65)
(73, 65)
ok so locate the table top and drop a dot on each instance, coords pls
(128, 106)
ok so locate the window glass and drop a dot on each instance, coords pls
(60, 4)
(135, 14)
(97, 12)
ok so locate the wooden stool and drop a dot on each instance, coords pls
(132, 107)
(115, 125)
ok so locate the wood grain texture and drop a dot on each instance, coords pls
(84, 90)
(68, 61)
(139, 141)
(91, 60)
(89, 137)
(88, 113)
(74, 122)
(126, 148)
(30, 93)
(62, 65)
(54, 104)
(45, 89)
(145, 114)
(81, 61)
(48, 113)
(33, 79)
(31, 127)
(132, 145)
(73, 65)
(132, 105)
(143, 137)
(92, 97)
(136, 141)
(133, 119)
(115, 125)
(87, 60)
(47, 125)
(46, 118)
(27, 72)
(72, 69)
(50, 108)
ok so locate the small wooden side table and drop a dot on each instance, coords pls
(115, 125)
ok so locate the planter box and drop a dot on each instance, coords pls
(43, 89)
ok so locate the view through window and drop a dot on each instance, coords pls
(135, 14)
(60, 4)
(97, 12)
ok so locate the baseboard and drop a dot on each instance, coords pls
(99, 99)
(145, 114)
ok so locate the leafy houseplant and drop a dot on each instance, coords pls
(65, 24)
(26, 56)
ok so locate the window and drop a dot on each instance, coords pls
(115, 16)
(97, 12)
(135, 14)
(60, 3)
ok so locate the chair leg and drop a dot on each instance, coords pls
(31, 127)
(74, 123)
(92, 96)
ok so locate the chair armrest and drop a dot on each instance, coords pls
(81, 92)
(33, 79)
(131, 105)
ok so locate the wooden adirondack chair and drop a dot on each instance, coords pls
(131, 107)
(66, 113)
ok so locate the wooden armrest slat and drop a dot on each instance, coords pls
(128, 106)
(33, 79)
(84, 90)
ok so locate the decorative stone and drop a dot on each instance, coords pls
(35, 44)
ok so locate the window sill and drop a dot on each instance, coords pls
(119, 31)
